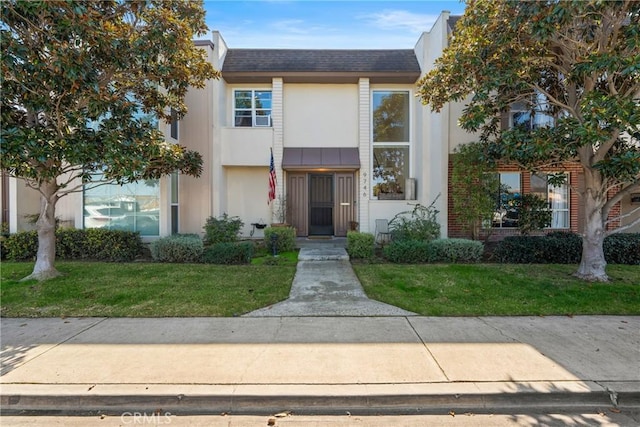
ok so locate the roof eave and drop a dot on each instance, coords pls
(402, 77)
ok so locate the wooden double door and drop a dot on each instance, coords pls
(321, 203)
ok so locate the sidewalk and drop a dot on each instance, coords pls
(320, 352)
(319, 365)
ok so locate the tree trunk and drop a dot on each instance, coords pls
(46, 226)
(592, 265)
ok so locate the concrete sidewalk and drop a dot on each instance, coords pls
(319, 365)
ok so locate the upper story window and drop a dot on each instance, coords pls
(532, 115)
(391, 133)
(252, 108)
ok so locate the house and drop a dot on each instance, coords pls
(351, 143)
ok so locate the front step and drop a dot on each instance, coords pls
(323, 254)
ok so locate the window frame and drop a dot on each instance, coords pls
(499, 202)
(387, 144)
(253, 109)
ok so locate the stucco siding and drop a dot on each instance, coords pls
(247, 189)
(320, 115)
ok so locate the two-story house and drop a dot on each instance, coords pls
(351, 143)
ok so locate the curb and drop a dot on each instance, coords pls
(388, 399)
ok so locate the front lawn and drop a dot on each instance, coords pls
(500, 289)
(143, 289)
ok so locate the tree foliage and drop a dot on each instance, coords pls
(583, 59)
(83, 85)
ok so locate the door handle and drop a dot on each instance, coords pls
(345, 204)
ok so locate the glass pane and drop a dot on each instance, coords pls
(174, 188)
(390, 169)
(174, 220)
(539, 184)
(506, 214)
(131, 207)
(521, 118)
(390, 116)
(243, 99)
(560, 219)
(559, 197)
(243, 118)
(263, 99)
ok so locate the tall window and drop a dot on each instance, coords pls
(130, 207)
(506, 213)
(174, 204)
(391, 132)
(557, 196)
(252, 108)
(174, 124)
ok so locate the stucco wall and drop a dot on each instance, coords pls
(322, 115)
(247, 189)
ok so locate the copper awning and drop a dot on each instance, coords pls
(320, 158)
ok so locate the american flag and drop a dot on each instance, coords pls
(272, 180)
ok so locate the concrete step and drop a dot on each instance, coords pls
(355, 399)
(323, 254)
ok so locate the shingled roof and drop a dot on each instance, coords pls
(318, 65)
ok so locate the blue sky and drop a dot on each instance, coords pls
(324, 24)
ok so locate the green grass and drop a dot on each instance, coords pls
(142, 289)
(500, 289)
(284, 258)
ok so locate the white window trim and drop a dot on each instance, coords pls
(253, 107)
(372, 144)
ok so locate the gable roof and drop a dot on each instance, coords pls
(320, 65)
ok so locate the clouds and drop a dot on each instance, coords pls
(400, 20)
(324, 24)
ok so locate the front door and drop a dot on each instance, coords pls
(321, 204)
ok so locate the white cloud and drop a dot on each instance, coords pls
(400, 19)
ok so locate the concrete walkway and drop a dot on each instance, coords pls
(326, 285)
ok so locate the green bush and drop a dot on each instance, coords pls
(539, 249)
(456, 250)
(21, 246)
(360, 245)
(286, 238)
(622, 249)
(112, 245)
(418, 224)
(177, 248)
(228, 253)
(93, 243)
(224, 229)
(407, 251)
(533, 213)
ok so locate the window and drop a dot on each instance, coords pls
(174, 203)
(129, 207)
(252, 108)
(532, 115)
(556, 195)
(506, 213)
(391, 143)
(174, 124)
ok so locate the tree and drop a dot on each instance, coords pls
(474, 188)
(576, 61)
(83, 84)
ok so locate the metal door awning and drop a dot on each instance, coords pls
(330, 158)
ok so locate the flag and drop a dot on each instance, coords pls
(272, 180)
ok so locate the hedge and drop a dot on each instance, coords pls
(286, 238)
(456, 250)
(408, 251)
(360, 245)
(178, 248)
(228, 253)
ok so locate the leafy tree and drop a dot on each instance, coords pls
(83, 83)
(474, 188)
(582, 60)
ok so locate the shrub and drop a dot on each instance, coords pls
(553, 249)
(533, 213)
(112, 245)
(177, 248)
(228, 253)
(407, 251)
(360, 245)
(418, 224)
(286, 238)
(622, 249)
(21, 246)
(224, 229)
(92, 243)
(456, 250)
